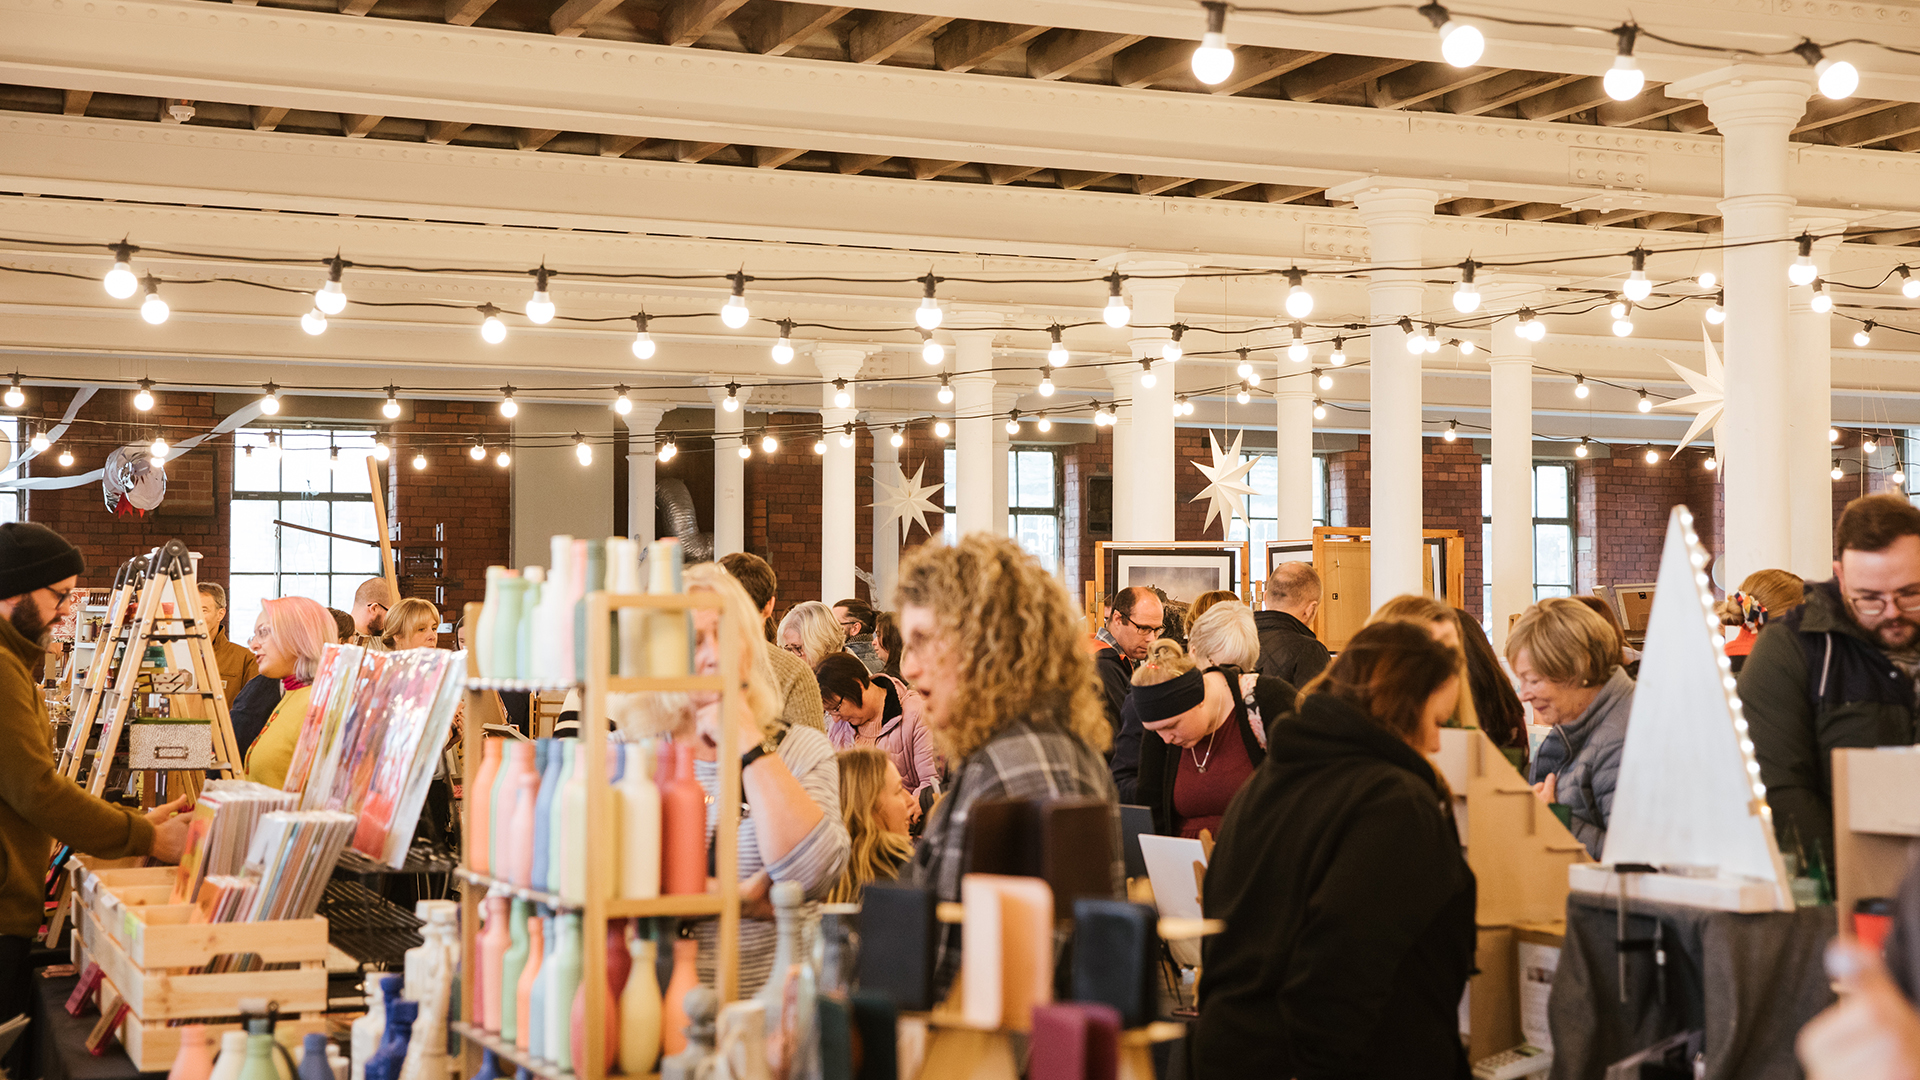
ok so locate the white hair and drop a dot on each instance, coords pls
(1226, 634)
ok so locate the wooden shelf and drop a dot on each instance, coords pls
(630, 683)
(685, 906)
(530, 686)
(546, 1070)
(520, 892)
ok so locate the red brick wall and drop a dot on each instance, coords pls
(1189, 517)
(1081, 462)
(1622, 504)
(1349, 486)
(455, 506)
(1450, 495)
(196, 504)
(783, 508)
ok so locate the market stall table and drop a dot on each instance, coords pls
(59, 1041)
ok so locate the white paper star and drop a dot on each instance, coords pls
(907, 499)
(1709, 395)
(1226, 495)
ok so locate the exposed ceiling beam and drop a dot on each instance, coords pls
(1694, 121)
(772, 157)
(1074, 181)
(444, 131)
(689, 153)
(533, 138)
(1283, 193)
(931, 170)
(1154, 185)
(881, 34)
(1664, 221)
(1562, 102)
(855, 164)
(1545, 212)
(682, 22)
(1875, 127)
(466, 12)
(265, 118)
(358, 125)
(778, 27)
(1503, 90)
(1059, 53)
(74, 102)
(1255, 64)
(618, 145)
(572, 18)
(356, 7)
(1323, 79)
(1822, 113)
(1153, 61)
(1650, 105)
(1481, 207)
(1213, 189)
(1007, 174)
(1422, 82)
(968, 43)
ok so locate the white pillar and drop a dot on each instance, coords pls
(974, 430)
(886, 534)
(837, 547)
(1150, 468)
(1004, 399)
(1293, 394)
(1755, 108)
(1809, 415)
(643, 423)
(1120, 377)
(1509, 563)
(1397, 214)
(729, 471)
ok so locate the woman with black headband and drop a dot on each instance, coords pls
(1205, 721)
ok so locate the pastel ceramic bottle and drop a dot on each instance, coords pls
(526, 800)
(523, 997)
(640, 1010)
(623, 577)
(543, 815)
(313, 1058)
(493, 953)
(536, 1010)
(554, 646)
(505, 655)
(480, 807)
(557, 814)
(367, 1031)
(483, 629)
(500, 808)
(573, 827)
(619, 964)
(512, 965)
(594, 579)
(673, 1009)
(683, 828)
(258, 1064)
(386, 1062)
(195, 1059)
(669, 644)
(535, 591)
(637, 825)
(233, 1054)
(565, 983)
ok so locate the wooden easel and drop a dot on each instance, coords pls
(1343, 555)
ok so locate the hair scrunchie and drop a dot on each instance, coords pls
(1753, 614)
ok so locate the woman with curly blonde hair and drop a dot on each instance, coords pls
(993, 644)
(878, 810)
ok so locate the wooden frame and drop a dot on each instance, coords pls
(1106, 555)
(1344, 607)
(600, 906)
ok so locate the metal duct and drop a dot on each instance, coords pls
(673, 497)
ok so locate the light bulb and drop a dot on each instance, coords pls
(1619, 309)
(1624, 80)
(745, 451)
(846, 438)
(1653, 456)
(583, 450)
(783, 347)
(731, 402)
(668, 450)
(1711, 463)
(946, 392)
(1147, 378)
(540, 305)
(928, 315)
(1325, 381)
(270, 404)
(391, 410)
(1821, 302)
(1833, 435)
(158, 449)
(1715, 313)
(1863, 336)
(1180, 405)
(1460, 44)
(1212, 60)
(1466, 297)
(1869, 444)
(1319, 409)
(1013, 423)
(898, 439)
(153, 309)
(1837, 473)
(1104, 416)
(1580, 386)
(1706, 279)
(1645, 404)
(820, 446)
(492, 330)
(643, 346)
(1298, 352)
(1042, 423)
(120, 281)
(623, 404)
(1838, 79)
(1243, 397)
(1338, 357)
(768, 444)
(1453, 431)
(1637, 288)
(1171, 350)
(15, 398)
(66, 459)
(143, 399)
(1466, 347)
(1056, 353)
(942, 429)
(1046, 386)
(1581, 450)
(1245, 370)
(932, 351)
(1416, 342)
(1802, 272)
(734, 314)
(331, 298)
(1116, 313)
(1186, 409)
(1622, 327)
(1909, 285)
(273, 446)
(509, 408)
(841, 398)
(39, 442)
(419, 460)
(1533, 330)
(503, 459)
(1431, 343)
(380, 450)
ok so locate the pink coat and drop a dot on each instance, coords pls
(905, 738)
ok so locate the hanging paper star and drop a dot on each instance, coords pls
(1709, 393)
(1226, 494)
(907, 499)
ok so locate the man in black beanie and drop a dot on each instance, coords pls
(38, 571)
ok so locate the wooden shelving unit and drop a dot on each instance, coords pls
(600, 905)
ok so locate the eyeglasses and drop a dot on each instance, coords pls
(59, 598)
(1138, 626)
(851, 626)
(795, 650)
(1873, 605)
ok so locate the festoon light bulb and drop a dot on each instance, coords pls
(419, 461)
(15, 396)
(1802, 272)
(1147, 378)
(945, 393)
(509, 408)
(314, 322)
(1056, 352)
(928, 315)
(1319, 409)
(1212, 60)
(153, 309)
(1299, 300)
(1717, 311)
(582, 449)
(39, 442)
(1624, 80)
(1013, 422)
(1580, 389)
(503, 459)
(841, 398)
(120, 282)
(783, 346)
(1863, 337)
(846, 437)
(143, 398)
(1116, 313)
(731, 402)
(1638, 288)
(1706, 279)
(898, 439)
(540, 304)
(931, 351)
(1171, 350)
(1909, 285)
(1338, 357)
(331, 298)
(734, 313)
(1466, 295)
(1581, 450)
(1298, 351)
(492, 330)
(270, 402)
(1838, 79)
(1821, 302)
(1453, 431)
(1460, 44)
(1047, 389)
(643, 347)
(622, 401)
(391, 410)
(942, 429)
(1645, 404)
(768, 444)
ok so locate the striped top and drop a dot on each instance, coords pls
(816, 862)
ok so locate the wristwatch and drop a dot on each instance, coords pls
(767, 746)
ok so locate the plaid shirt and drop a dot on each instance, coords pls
(1026, 760)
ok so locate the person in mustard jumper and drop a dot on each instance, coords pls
(38, 572)
(288, 639)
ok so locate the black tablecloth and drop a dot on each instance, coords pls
(59, 1050)
(1748, 981)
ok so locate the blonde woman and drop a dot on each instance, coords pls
(1440, 621)
(790, 828)
(993, 644)
(811, 633)
(1566, 660)
(288, 640)
(1204, 603)
(1766, 594)
(411, 624)
(878, 811)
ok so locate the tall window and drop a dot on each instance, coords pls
(317, 479)
(1033, 502)
(10, 499)
(1552, 531)
(1264, 508)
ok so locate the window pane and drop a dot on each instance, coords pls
(1553, 555)
(1032, 479)
(253, 529)
(351, 474)
(343, 586)
(946, 492)
(1039, 536)
(244, 593)
(303, 465)
(1541, 592)
(1550, 492)
(1319, 493)
(9, 506)
(355, 519)
(314, 587)
(1264, 479)
(303, 552)
(258, 471)
(1486, 490)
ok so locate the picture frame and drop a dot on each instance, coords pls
(1281, 551)
(1181, 569)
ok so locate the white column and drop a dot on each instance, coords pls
(974, 430)
(1809, 415)
(886, 534)
(1120, 377)
(1004, 399)
(1397, 214)
(1509, 565)
(1293, 394)
(642, 425)
(837, 513)
(1150, 467)
(1755, 108)
(729, 471)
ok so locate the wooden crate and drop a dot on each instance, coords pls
(152, 1045)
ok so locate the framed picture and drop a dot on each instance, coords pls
(1279, 551)
(1183, 570)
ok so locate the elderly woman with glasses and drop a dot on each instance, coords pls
(811, 633)
(1566, 660)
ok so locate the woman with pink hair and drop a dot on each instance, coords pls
(288, 640)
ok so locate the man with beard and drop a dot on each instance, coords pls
(1838, 671)
(38, 571)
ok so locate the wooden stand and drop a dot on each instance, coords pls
(1344, 558)
(1876, 824)
(600, 906)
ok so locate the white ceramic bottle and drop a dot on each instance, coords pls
(639, 825)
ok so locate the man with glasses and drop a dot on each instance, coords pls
(1837, 671)
(370, 603)
(38, 572)
(1135, 617)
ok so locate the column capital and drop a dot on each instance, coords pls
(1295, 384)
(841, 361)
(1120, 376)
(1392, 195)
(718, 392)
(1742, 94)
(645, 417)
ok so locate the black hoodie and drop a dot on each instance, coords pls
(1349, 912)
